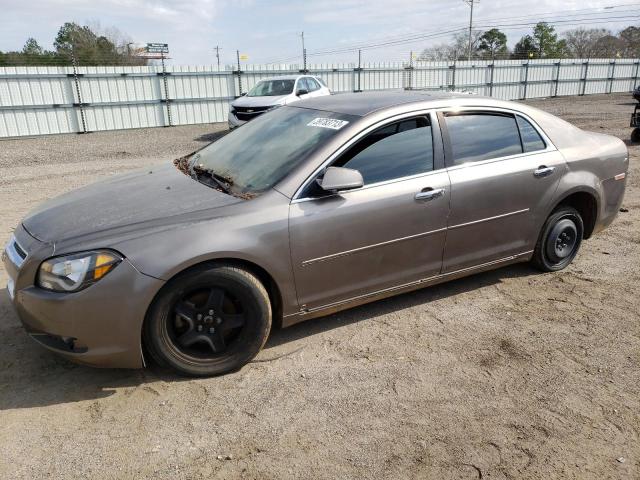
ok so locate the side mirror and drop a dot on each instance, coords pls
(243, 94)
(301, 91)
(337, 179)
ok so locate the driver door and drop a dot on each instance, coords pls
(388, 233)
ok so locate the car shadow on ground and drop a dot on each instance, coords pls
(31, 376)
(211, 137)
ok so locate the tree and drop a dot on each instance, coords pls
(457, 49)
(608, 46)
(525, 48)
(493, 42)
(630, 42)
(582, 42)
(546, 41)
(31, 47)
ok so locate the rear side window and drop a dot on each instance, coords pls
(482, 136)
(531, 140)
(313, 85)
(394, 151)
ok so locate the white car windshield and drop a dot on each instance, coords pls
(272, 88)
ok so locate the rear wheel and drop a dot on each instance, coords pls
(559, 240)
(209, 321)
(635, 135)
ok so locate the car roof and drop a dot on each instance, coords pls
(286, 77)
(364, 103)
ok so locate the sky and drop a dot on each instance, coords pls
(269, 30)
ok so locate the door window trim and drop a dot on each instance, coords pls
(438, 153)
(448, 152)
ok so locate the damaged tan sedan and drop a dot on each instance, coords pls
(307, 210)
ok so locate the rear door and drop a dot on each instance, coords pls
(504, 173)
(388, 233)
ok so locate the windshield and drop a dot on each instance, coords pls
(272, 88)
(256, 156)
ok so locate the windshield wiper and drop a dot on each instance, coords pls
(222, 182)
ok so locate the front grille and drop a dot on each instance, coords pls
(248, 113)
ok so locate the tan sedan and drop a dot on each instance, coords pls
(306, 210)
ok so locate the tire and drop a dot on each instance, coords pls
(635, 135)
(208, 321)
(559, 240)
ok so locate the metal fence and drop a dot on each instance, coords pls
(49, 100)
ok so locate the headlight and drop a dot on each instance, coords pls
(71, 273)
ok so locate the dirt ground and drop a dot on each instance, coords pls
(507, 374)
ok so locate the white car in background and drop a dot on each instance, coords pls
(272, 93)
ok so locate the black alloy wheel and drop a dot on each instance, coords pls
(208, 321)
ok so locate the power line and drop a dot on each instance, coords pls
(397, 40)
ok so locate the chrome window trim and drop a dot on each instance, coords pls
(550, 147)
(331, 158)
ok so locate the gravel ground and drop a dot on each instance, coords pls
(507, 374)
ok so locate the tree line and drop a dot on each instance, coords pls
(542, 42)
(88, 45)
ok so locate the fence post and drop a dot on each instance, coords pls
(584, 78)
(166, 87)
(238, 72)
(492, 66)
(557, 79)
(612, 76)
(453, 74)
(76, 81)
(359, 70)
(409, 71)
(526, 79)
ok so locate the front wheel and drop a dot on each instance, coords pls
(559, 240)
(208, 321)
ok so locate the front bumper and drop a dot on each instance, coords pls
(234, 122)
(99, 326)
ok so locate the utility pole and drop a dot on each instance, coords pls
(304, 54)
(218, 55)
(470, 3)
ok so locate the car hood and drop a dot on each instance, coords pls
(159, 194)
(259, 101)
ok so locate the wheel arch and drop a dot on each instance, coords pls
(267, 280)
(587, 204)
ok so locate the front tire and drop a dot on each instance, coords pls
(559, 240)
(208, 321)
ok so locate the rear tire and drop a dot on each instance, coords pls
(208, 321)
(559, 240)
(635, 135)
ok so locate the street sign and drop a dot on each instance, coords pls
(244, 56)
(157, 48)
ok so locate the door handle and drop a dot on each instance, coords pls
(429, 194)
(543, 171)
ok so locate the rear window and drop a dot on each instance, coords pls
(482, 136)
(531, 139)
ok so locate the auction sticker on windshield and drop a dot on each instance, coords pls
(331, 123)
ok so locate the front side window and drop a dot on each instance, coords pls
(255, 157)
(482, 136)
(394, 151)
(313, 85)
(531, 139)
(271, 88)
